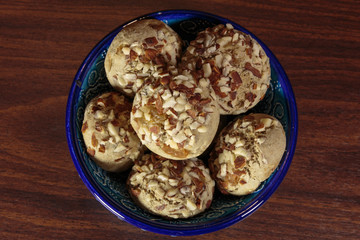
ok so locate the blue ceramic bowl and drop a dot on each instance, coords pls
(109, 188)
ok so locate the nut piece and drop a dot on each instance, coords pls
(110, 140)
(246, 153)
(235, 64)
(173, 189)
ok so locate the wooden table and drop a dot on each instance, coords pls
(42, 44)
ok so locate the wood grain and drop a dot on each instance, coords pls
(42, 44)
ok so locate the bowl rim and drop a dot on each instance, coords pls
(181, 230)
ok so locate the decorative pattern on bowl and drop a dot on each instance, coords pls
(110, 188)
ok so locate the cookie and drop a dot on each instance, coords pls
(236, 64)
(175, 116)
(248, 150)
(141, 49)
(109, 138)
(171, 188)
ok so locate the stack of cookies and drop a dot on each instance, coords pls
(164, 113)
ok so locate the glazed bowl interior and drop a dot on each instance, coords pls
(110, 188)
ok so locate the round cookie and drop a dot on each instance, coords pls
(141, 49)
(109, 138)
(171, 188)
(236, 64)
(248, 150)
(175, 117)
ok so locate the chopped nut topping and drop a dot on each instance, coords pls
(233, 62)
(94, 141)
(238, 157)
(176, 189)
(156, 51)
(239, 162)
(90, 151)
(177, 106)
(84, 127)
(151, 41)
(110, 140)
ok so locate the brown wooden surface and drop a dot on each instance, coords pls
(42, 44)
